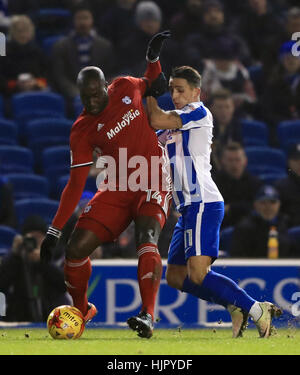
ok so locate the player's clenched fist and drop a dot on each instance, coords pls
(155, 44)
(49, 243)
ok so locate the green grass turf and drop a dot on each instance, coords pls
(34, 341)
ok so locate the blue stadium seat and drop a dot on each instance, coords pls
(89, 186)
(26, 185)
(294, 233)
(52, 21)
(47, 132)
(8, 132)
(48, 43)
(77, 106)
(270, 178)
(225, 240)
(36, 104)
(1, 106)
(254, 133)
(288, 133)
(46, 208)
(165, 102)
(15, 159)
(55, 163)
(263, 160)
(7, 235)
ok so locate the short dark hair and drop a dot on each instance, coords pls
(192, 75)
(232, 146)
(222, 94)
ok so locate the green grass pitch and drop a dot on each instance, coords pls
(97, 341)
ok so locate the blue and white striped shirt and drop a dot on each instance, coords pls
(189, 150)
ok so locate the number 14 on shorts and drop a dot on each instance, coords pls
(153, 195)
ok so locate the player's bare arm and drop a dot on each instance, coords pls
(160, 119)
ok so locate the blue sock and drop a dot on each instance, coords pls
(226, 289)
(201, 292)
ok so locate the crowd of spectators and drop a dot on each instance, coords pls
(244, 52)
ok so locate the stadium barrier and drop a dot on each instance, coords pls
(114, 289)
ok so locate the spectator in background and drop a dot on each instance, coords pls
(131, 54)
(81, 48)
(23, 56)
(291, 25)
(4, 16)
(32, 289)
(237, 186)
(7, 214)
(289, 187)
(257, 25)
(224, 70)
(281, 98)
(118, 21)
(213, 30)
(251, 236)
(227, 126)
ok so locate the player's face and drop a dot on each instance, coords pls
(94, 96)
(182, 93)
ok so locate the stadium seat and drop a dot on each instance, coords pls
(52, 21)
(36, 104)
(89, 186)
(7, 235)
(55, 163)
(15, 159)
(77, 106)
(254, 133)
(288, 133)
(8, 132)
(48, 43)
(294, 233)
(225, 241)
(272, 177)
(28, 185)
(263, 160)
(46, 208)
(1, 106)
(165, 102)
(47, 132)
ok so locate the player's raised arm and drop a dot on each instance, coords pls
(155, 79)
(160, 119)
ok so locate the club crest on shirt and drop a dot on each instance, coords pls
(99, 127)
(126, 100)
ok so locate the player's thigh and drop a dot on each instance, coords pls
(81, 244)
(107, 215)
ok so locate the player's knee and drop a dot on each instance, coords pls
(74, 250)
(197, 275)
(174, 279)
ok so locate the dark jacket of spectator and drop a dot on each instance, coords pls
(250, 237)
(238, 195)
(7, 214)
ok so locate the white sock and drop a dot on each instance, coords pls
(255, 311)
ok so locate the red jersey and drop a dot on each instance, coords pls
(121, 131)
(122, 125)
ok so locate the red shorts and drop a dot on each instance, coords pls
(109, 213)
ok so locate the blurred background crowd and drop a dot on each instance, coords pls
(250, 82)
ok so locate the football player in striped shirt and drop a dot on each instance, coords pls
(187, 133)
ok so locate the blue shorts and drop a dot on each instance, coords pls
(196, 232)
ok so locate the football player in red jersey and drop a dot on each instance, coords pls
(114, 119)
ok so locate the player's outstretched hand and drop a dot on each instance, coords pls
(155, 44)
(48, 244)
(158, 87)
